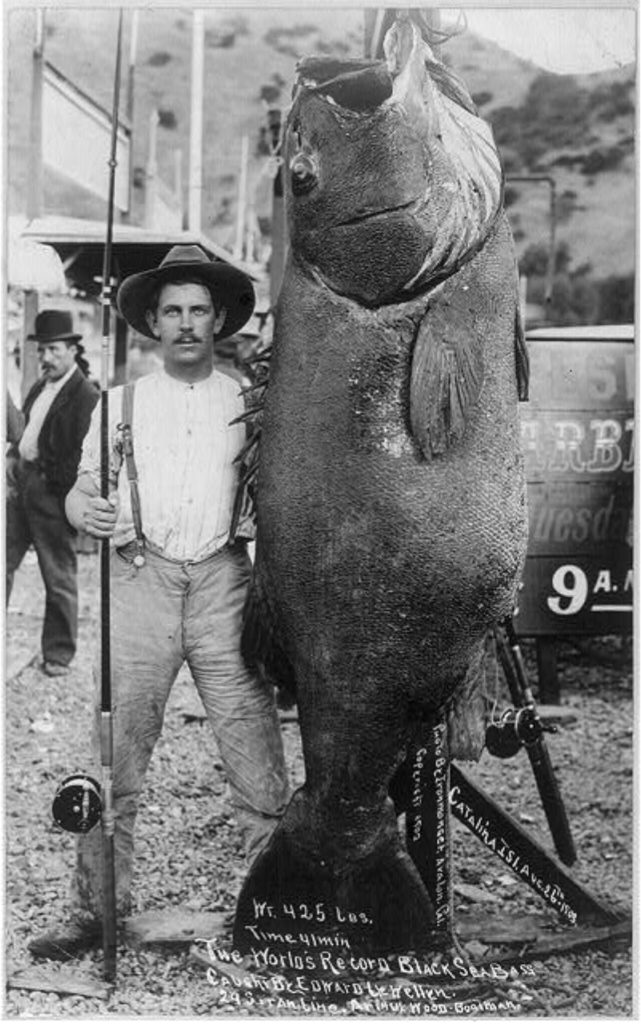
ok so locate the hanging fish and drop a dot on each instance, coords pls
(391, 513)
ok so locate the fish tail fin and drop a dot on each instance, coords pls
(376, 903)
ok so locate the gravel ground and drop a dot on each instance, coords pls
(188, 853)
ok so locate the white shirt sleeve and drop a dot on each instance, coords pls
(90, 458)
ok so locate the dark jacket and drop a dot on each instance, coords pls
(15, 421)
(63, 430)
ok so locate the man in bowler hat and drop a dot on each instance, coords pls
(178, 579)
(41, 468)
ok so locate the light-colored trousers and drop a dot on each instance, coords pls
(163, 614)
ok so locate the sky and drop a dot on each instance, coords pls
(567, 40)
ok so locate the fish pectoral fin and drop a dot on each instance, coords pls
(521, 356)
(446, 375)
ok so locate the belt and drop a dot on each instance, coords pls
(133, 546)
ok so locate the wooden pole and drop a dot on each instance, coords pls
(242, 198)
(129, 107)
(178, 183)
(150, 171)
(196, 122)
(34, 183)
(29, 367)
(279, 227)
(133, 46)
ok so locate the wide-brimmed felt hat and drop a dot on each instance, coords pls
(230, 288)
(53, 325)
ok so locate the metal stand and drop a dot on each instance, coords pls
(428, 787)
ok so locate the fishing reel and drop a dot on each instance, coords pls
(77, 805)
(516, 727)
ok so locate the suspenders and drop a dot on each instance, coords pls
(132, 472)
(132, 475)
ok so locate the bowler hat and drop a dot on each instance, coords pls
(53, 325)
(230, 288)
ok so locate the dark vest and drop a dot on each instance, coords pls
(63, 430)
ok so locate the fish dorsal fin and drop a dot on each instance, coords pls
(447, 371)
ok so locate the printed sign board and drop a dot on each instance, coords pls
(577, 432)
(76, 139)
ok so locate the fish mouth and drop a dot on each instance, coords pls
(368, 215)
(357, 86)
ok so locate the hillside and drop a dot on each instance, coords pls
(578, 129)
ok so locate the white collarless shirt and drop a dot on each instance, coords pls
(184, 447)
(28, 446)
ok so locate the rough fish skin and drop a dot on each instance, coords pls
(391, 516)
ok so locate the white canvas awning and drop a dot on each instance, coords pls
(32, 265)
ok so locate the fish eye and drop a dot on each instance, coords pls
(304, 173)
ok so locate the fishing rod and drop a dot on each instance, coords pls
(80, 802)
(106, 725)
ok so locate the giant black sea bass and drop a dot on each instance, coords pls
(391, 515)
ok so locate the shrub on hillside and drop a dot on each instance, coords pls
(270, 94)
(159, 59)
(613, 100)
(506, 126)
(603, 158)
(568, 160)
(223, 36)
(566, 205)
(334, 47)
(577, 297)
(554, 114)
(574, 300)
(167, 119)
(482, 97)
(277, 36)
(271, 91)
(220, 38)
(616, 300)
(536, 257)
(534, 260)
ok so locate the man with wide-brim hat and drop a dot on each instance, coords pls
(178, 579)
(41, 468)
(229, 286)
